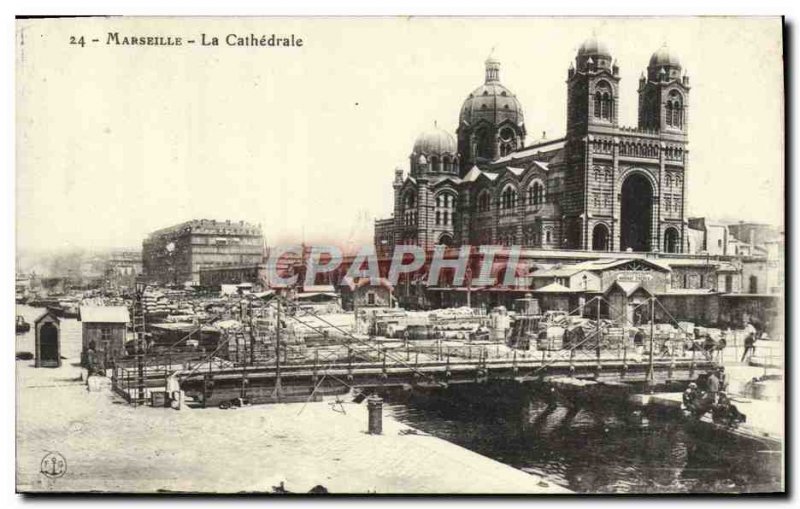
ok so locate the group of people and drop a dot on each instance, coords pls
(710, 345)
(709, 394)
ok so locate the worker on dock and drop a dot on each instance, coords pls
(723, 379)
(690, 396)
(749, 341)
(712, 383)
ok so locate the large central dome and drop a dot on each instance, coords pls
(491, 102)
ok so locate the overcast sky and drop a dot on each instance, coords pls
(114, 142)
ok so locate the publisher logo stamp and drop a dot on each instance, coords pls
(53, 465)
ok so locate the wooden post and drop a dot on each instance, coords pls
(349, 361)
(651, 381)
(316, 362)
(599, 362)
(624, 351)
(599, 333)
(671, 360)
(278, 389)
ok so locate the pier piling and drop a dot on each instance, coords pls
(375, 415)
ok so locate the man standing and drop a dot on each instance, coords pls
(713, 386)
(723, 379)
(749, 340)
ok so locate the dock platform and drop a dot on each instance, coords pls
(110, 446)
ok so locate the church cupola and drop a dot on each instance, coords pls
(434, 152)
(593, 55)
(664, 93)
(491, 123)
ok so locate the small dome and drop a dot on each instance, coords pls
(435, 141)
(592, 46)
(664, 57)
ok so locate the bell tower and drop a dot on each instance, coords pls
(664, 94)
(592, 89)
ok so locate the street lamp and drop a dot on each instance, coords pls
(139, 287)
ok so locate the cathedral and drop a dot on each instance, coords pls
(600, 187)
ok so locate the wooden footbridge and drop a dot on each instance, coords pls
(304, 381)
(210, 383)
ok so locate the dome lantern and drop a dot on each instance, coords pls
(492, 70)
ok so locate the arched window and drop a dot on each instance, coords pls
(508, 199)
(600, 237)
(753, 284)
(671, 240)
(435, 166)
(447, 164)
(536, 193)
(547, 236)
(409, 209)
(674, 108)
(484, 201)
(603, 102)
(445, 203)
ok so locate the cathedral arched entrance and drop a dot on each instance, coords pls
(636, 214)
(600, 237)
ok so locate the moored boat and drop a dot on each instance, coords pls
(22, 325)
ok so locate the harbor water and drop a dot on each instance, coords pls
(598, 450)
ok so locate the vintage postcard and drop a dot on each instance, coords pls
(400, 255)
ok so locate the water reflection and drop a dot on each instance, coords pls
(592, 451)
